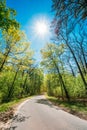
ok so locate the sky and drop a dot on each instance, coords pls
(29, 12)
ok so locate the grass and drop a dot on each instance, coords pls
(75, 107)
(7, 109)
(6, 106)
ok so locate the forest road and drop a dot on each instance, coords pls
(38, 113)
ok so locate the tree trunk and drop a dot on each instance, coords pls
(6, 55)
(71, 69)
(61, 80)
(83, 67)
(11, 90)
(82, 76)
(24, 84)
(84, 57)
(63, 84)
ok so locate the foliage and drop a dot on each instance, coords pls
(7, 106)
(69, 63)
(55, 67)
(18, 75)
(78, 108)
(7, 16)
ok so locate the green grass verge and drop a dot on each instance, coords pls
(6, 106)
(73, 106)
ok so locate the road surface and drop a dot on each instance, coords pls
(39, 114)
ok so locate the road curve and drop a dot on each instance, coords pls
(39, 114)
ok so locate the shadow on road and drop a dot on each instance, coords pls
(17, 119)
(45, 102)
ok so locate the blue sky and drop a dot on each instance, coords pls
(28, 12)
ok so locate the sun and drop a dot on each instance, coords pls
(41, 28)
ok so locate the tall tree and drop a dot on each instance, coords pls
(68, 16)
(51, 60)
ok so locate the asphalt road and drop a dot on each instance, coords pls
(39, 114)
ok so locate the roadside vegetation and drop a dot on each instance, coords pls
(78, 108)
(7, 110)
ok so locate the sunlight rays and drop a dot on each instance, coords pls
(41, 28)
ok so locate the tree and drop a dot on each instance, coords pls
(68, 17)
(7, 16)
(51, 60)
(15, 42)
(16, 54)
(18, 75)
(70, 8)
(36, 81)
